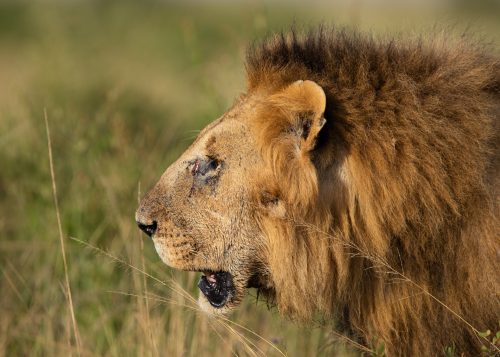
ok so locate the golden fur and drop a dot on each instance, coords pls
(359, 179)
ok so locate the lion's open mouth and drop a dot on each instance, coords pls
(217, 287)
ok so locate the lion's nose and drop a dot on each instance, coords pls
(149, 229)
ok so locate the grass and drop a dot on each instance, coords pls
(67, 286)
(126, 86)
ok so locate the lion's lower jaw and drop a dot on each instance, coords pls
(211, 310)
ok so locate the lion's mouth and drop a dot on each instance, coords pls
(218, 287)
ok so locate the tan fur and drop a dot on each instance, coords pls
(384, 217)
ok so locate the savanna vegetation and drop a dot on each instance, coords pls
(124, 87)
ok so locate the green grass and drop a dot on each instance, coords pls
(126, 85)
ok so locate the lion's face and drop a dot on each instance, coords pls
(202, 214)
(203, 211)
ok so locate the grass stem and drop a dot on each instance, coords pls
(61, 237)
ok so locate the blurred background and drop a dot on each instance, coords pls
(126, 86)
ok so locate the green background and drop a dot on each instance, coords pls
(126, 86)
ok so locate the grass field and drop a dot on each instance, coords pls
(126, 85)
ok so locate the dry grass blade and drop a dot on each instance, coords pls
(255, 334)
(12, 285)
(449, 309)
(244, 340)
(220, 336)
(145, 285)
(353, 343)
(249, 345)
(61, 237)
(175, 287)
(222, 318)
(225, 323)
(385, 268)
(123, 262)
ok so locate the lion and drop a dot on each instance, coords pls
(357, 178)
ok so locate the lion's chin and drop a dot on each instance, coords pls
(208, 308)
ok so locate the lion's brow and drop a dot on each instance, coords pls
(209, 127)
(209, 147)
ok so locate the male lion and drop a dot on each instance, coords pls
(356, 178)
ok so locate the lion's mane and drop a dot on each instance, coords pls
(392, 226)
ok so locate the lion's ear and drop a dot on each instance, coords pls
(304, 104)
(286, 127)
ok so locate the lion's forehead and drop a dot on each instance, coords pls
(227, 138)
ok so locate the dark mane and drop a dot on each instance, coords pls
(348, 56)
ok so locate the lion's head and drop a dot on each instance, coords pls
(203, 214)
(356, 178)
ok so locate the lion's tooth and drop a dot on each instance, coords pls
(210, 277)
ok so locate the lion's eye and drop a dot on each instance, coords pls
(202, 167)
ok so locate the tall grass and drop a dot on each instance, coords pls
(126, 86)
(67, 286)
